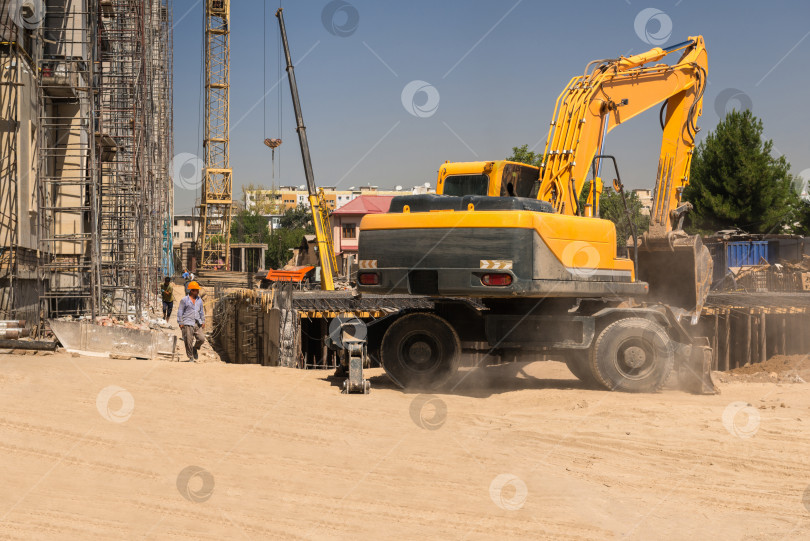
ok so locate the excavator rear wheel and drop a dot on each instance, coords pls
(632, 355)
(420, 350)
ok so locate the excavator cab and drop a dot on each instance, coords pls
(501, 178)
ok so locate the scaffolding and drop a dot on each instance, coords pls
(86, 139)
(18, 135)
(216, 201)
(67, 171)
(134, 135)
(9, 120)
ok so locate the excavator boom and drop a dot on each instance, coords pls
(610, 93)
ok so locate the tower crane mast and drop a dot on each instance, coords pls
(216, 200)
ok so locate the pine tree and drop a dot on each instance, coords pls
(736, 182)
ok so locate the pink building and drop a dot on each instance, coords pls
(346, 223)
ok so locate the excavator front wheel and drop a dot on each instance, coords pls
(420, 350)
(633, 355)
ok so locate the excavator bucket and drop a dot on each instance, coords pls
(695, 370)
(678, 269)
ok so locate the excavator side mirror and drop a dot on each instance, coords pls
(617, 185)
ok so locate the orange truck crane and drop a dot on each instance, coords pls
(506, 251)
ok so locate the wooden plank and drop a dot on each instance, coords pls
(763, 349)
(746, 350)
(727, 340)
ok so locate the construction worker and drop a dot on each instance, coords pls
(191, 318)
(188, 277)
(167, 295)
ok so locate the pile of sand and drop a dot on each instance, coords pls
(779, 368)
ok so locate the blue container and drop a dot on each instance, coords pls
(743, 253)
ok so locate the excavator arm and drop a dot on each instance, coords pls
(612, 92)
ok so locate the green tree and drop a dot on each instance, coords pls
(736, 182)
(293, 225)
(248, 226)
(522, 154)
(299, 217)
(801, 224)
(280, 244)
(611, 208)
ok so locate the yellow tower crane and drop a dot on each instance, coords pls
(216, 201)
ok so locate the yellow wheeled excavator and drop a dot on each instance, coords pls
(509, 257)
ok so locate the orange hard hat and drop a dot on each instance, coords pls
(193, 285)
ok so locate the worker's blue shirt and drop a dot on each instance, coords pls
(190, 311)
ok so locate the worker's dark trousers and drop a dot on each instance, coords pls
(189, 335)
(167, 309)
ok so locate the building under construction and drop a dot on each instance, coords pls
(87, 140)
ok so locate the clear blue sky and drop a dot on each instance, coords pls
(497, 68)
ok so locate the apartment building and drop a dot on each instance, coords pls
(276, 201)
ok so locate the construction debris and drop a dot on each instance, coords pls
(86, 338)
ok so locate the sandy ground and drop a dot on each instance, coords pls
(98, 449)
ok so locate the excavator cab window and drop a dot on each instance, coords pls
(519, 181)
(466, 185)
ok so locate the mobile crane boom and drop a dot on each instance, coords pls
(320, 211)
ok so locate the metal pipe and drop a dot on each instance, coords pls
(14, 333)
(39, 345)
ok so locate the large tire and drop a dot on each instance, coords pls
(632, 355)
(578, 362)
(420, 350)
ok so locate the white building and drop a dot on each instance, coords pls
(185, 228)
